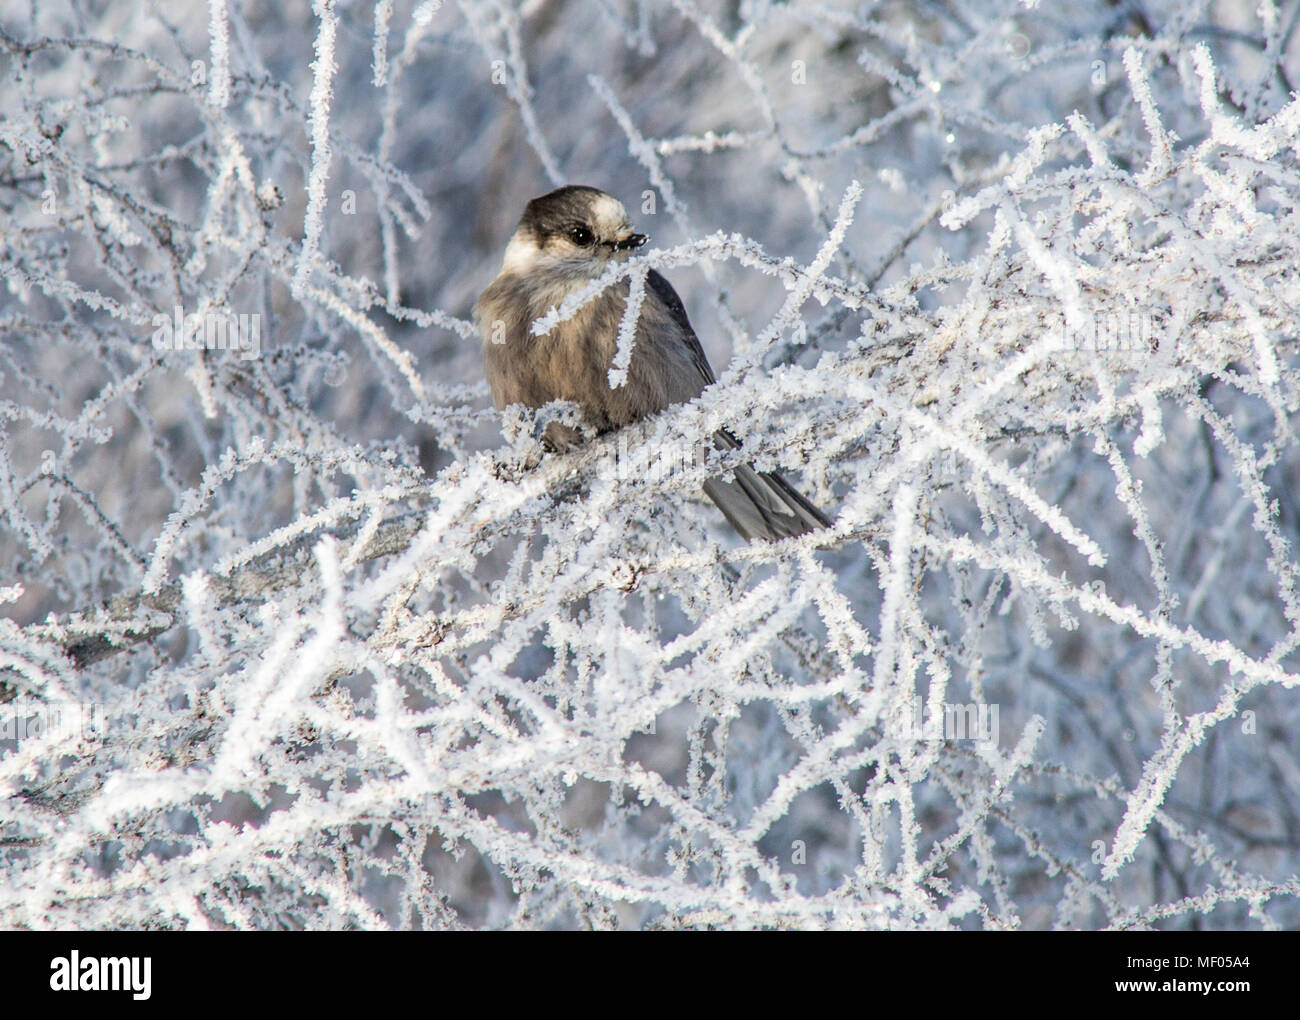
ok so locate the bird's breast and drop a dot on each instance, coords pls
(572, 360)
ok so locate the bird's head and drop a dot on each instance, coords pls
(574, 231)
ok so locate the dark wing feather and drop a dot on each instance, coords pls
(663, 290)
(757, 505)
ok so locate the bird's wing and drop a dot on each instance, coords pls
(757, 505)
(663, 290)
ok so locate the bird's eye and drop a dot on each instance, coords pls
(581, 236)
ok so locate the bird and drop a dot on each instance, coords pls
(564, 240)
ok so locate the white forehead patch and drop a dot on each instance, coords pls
(609, 214)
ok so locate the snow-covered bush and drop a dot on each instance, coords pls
(294, 638)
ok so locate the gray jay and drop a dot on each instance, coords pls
(566, 239)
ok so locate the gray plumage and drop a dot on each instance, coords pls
(564, 240)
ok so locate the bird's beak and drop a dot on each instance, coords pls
(631, 242)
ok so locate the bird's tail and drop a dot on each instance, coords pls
(763, 505)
